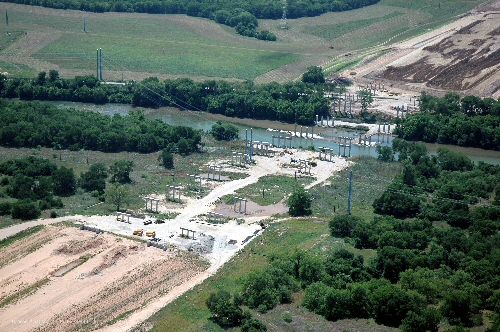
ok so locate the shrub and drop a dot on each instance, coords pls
(25, 210)
(5, 208)
(299, 202)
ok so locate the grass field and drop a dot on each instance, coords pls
(177, 45)
(147, 177)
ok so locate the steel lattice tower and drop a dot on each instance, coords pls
(283, 17)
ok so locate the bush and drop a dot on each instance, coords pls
(223, 308)
(167, 159)
(299, 202)
(25, 210)
(53, 214)
(5, 208)
(287, 317)
(343, 225)
(385, 153)
(253, 325)
(224, 132)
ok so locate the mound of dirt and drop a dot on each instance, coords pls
(79, 247)
(112, 257)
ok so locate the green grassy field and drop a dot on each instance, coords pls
(147, 177)
(178, 45)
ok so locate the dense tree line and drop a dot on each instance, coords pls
(85, 89)
(420, 266)
(294, 102)
(33, 124)
(447, 186)
(455, 266)
(30, 185)
(469, 121)
(262, 9)
(297, 102)
(242, 15)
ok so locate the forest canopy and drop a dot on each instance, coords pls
(33, 124)
(469, 121)
(294, 102)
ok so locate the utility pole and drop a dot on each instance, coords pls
(251, 144)
(350, 194)
(246, 141)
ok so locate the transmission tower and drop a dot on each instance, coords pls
(283, 17)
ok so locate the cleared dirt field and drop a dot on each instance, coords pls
(463, 56)
(66, 279)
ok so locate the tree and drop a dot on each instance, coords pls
(42, 78)
(5, 208)
(120, 171)
(313, 75)
(299, 202)
(461, 308)
(315, 298)
(166, 158)
(223, 308)
(385, 153)
(94, 178)
(183, 147)
(342, 225)
(25, 210)
(224, 132)
(63, 181)
(427, 320)
(267, 288)
(117, 194)
(392, 304)
(53, 75)
(366, 99)
(397, 200)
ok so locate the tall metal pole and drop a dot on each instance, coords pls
(246, 141)
(97, 63)
(100, 64)
(350, 194)
(251, 143)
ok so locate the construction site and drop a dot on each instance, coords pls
(112, 272)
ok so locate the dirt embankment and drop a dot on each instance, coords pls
(463, 56)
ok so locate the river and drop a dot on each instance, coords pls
(260, 130)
